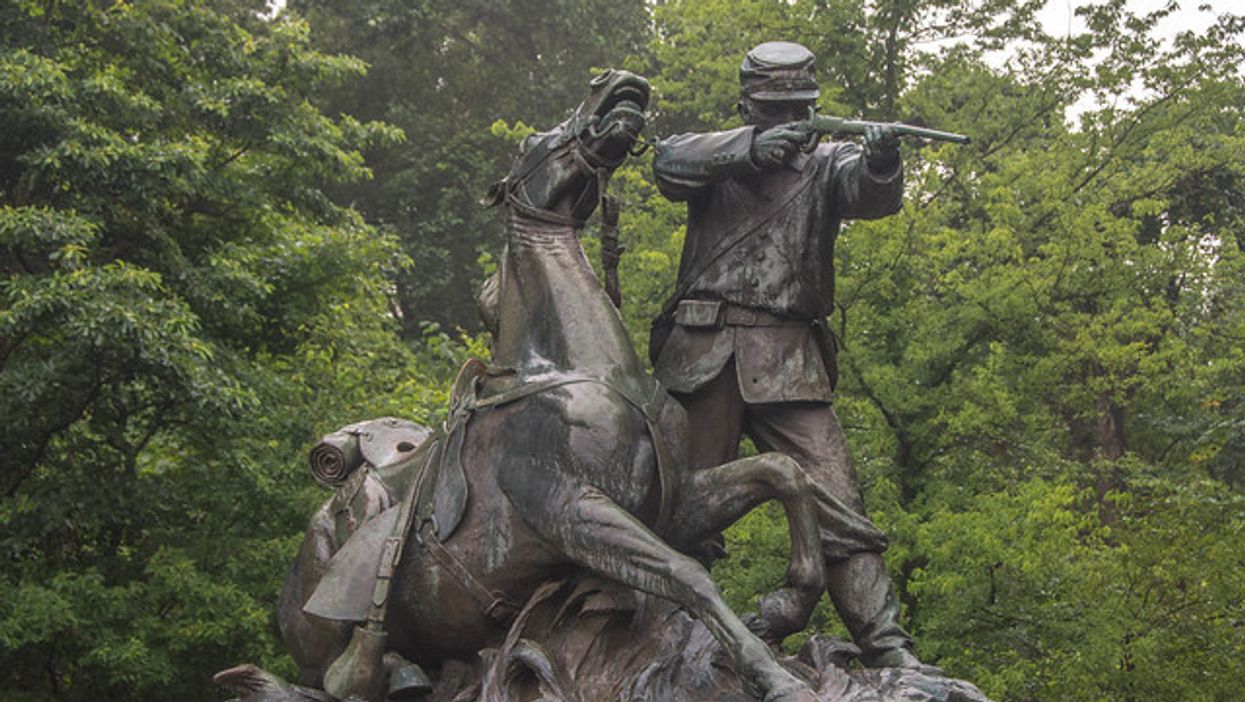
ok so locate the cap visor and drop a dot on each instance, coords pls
(781, 96)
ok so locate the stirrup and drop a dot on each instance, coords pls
(407, 681)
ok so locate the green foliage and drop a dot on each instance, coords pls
(183, 309)
(1042, 357)
(1031, 596)
(867, 52)
(446, 72)
(1040, 295)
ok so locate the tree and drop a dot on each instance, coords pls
(1042, 330)
(1053, 318)
(445, 72)
(183, 307)
(1042, 353)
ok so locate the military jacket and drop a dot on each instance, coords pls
(783, 266)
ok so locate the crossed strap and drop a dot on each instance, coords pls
(417, 511)
(649, 407)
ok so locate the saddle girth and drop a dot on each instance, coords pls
(433, 508)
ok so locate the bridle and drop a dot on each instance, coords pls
(585, 159)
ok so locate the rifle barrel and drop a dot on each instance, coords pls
(910, 130)
(825, 124)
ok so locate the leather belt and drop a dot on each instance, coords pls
(740, 316)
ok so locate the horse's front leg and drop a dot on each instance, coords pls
(595, 532)
(711, 500)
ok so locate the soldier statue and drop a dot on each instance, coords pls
(743, 342)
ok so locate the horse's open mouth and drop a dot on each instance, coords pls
(622, 111)
(629, 96)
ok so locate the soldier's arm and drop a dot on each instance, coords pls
(688, 163)
(867, 184)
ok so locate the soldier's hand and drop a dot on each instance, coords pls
(773, 147)
(881, 148)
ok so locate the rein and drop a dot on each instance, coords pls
(602, 169)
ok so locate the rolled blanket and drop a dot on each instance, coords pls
(335, 458)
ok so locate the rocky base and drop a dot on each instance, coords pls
(590, 640)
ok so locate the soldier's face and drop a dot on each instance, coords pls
(767, 114)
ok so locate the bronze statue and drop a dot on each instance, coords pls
(532, 549)
(564, 456)
(743, 344)
(598, 641)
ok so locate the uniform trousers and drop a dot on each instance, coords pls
(809, 432)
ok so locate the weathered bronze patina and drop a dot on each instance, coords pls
(565, 455)
(743, 343)
(531, 549)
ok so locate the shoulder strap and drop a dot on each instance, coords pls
(740, 232)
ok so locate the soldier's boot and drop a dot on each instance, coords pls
(860, 588)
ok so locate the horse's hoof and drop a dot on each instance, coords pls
(782, 613)
(902, 658)
(761, 629)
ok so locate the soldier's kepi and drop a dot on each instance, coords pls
(742, 342)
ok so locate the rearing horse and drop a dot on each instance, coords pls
(570, 453)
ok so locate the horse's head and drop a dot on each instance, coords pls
(560, 171)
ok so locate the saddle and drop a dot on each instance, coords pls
(355, 584)
(423, 481)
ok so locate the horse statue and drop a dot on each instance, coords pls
(562, 457)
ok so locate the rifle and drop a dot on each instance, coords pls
(825, 125)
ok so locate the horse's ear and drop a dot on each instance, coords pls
(496, 193)
(530, 141)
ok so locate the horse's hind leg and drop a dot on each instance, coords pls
(715, 498)
(593, 531)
